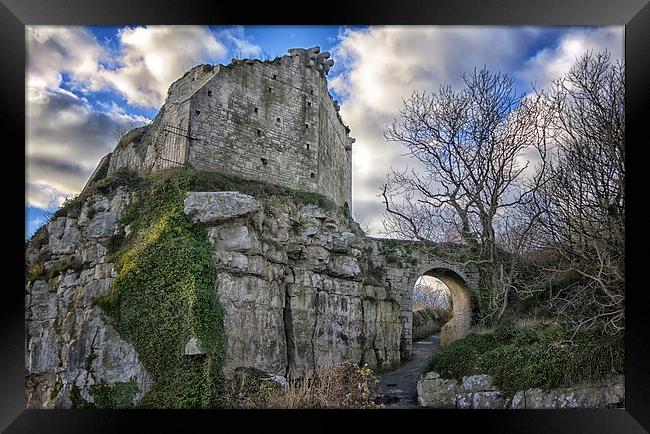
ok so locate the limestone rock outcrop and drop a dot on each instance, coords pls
(293, 290)
(71, 348)
(293, 282)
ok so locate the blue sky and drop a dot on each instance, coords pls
(84, 82)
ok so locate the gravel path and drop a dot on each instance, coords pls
(399, 387)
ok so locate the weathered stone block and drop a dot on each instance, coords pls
(103, 224)
(437, 392)
(193, 347)
(211, 207)
(64, 236)
(488, 400)
(478, 383)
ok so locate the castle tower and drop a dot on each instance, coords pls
(272, 121)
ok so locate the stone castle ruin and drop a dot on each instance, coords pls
(269, 121)
(301, 286)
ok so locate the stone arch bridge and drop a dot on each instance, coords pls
(403, 262)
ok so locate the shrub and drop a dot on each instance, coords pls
(545, 357)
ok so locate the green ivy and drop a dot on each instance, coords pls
(165, 294)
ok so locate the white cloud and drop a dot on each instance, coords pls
(44, 196)
(65, 139)
(242, 47)
(378, 67)
(152, 58)
(552, 62)
(52, 51)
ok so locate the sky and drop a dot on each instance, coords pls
(83, 83)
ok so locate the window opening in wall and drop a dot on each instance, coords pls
(198, 112)
(311, 91)
(277, 120)
(209, 93)
(275, 76)
(313, 175)
(255, 109)
(270, 89)
(308, 146)
(259, 133)
(306, 126)
(264, 161)
(308, 104)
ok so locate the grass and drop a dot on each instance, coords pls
(546, 357)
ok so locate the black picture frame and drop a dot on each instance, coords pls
(15, 14)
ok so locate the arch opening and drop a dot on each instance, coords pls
(457, 319)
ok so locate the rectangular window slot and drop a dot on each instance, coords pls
(306, 126)
(311, 91)
(270, 89)
(198, 112)
(275, 76)
(259, 133)
(313, 175)
(209, 93)
(308, 104)
(308, 146)
(277, 120)
(255, 109)
(265, 161)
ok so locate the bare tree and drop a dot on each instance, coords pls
(474, 148)
(582, 202)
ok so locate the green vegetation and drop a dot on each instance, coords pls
(37, 270)
(110, 396)
(544, 357)
(119, 395)
(164, 294)
(134, 135)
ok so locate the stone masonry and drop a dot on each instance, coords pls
(479, 392)
(273, 121)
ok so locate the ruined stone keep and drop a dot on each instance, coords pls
(272, 121)
(301, 286)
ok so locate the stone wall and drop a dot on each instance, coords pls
(272, 121)
(479, 392)
(425, 323)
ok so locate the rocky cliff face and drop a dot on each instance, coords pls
(72, 352)
(294, 282)
(293, 286)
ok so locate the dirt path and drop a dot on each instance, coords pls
(399, 387)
